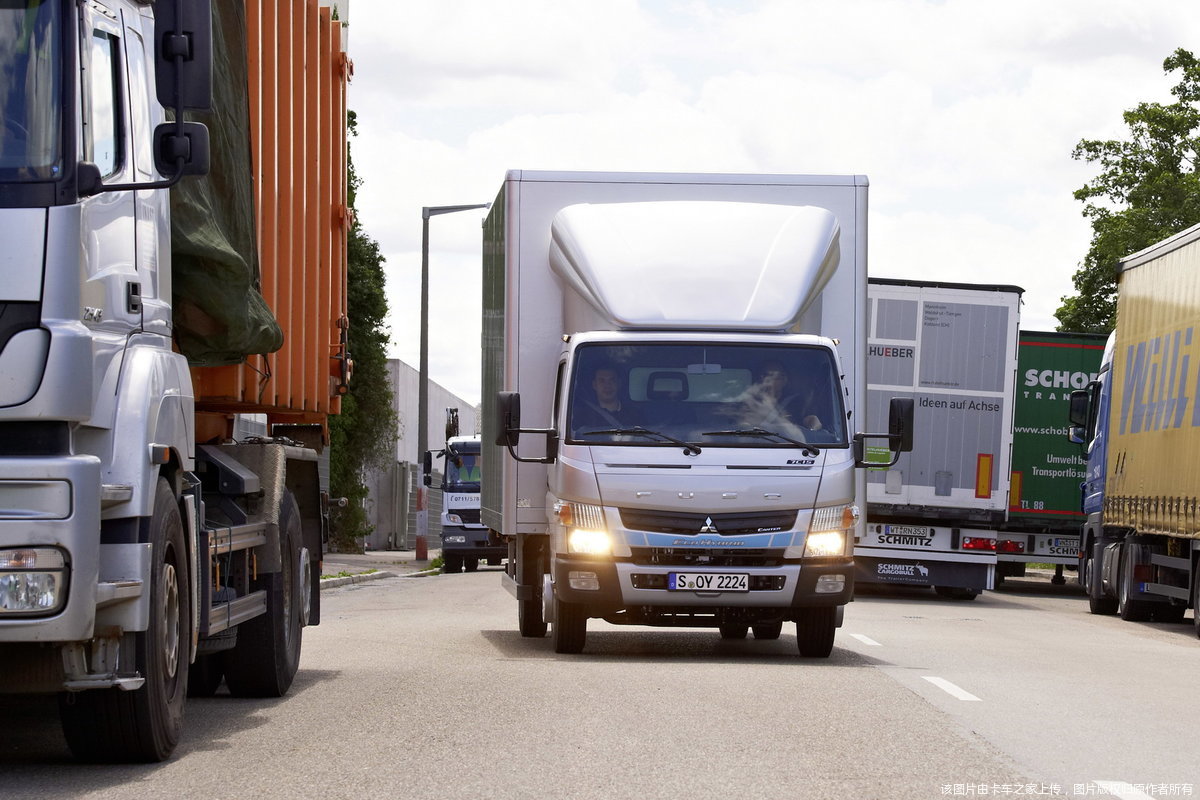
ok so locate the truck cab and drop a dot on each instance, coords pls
(465, 541)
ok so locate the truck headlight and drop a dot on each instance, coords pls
(454, 519)
(586, 531)
(829, 530)
(33, 580)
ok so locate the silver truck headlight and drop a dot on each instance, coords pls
(830, 530)
(33, 580)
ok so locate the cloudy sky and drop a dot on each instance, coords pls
(962, 113)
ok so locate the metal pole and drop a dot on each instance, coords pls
(422, 548)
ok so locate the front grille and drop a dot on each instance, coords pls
(469, 516)
(691, 524)
(677, 557)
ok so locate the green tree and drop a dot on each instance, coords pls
(1147, 190)
(363, 436)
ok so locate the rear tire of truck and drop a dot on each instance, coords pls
(1130, 608)
(733, 631)
(570, 627)
(815, 630)
(1098, 603)
(530, 619)
(112, 725)
(267, 655)
(771, 630)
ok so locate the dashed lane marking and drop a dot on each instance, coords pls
(950, 689)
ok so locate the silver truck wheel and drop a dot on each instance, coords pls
(112, 725)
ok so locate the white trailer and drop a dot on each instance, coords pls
(932, 517)
(629, 315)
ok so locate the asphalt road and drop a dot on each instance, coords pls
(422, 687)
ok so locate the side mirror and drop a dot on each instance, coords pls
(508, 418)
(191, 146)
(427, 468)
(900, 424)
(183, 54)
(1077, 412)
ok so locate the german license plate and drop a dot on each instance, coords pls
(708, 582)
(907, 530)
(1071, 542)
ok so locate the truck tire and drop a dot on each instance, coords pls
(771, 630)
(267, 654)
(815, 630)
(733, 631)
(570, 627)
(451, 565)
(529, 572)
(1128, 607)
(495, 561)
(1196, 599)
(112, 725)
(471, 564)
(1098, 602)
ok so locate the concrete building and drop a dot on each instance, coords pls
(392, 492)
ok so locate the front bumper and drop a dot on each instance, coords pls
(472, 543)
(622, 585)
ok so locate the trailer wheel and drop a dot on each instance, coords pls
(1098, 603)
(732, 631)
(1130, 608)
(1196, 601)
(815, 629)
(769, 631)
(267, 655)
(570, 627)
(529, 572)
(144, 725)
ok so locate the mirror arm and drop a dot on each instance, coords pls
(551, 451)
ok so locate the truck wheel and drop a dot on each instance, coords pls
(451, 565)
(495, 561)
(769, 631)
(267, 655)
(570, 627)
(205, 676)
(529, 572)
(1196, 600)
(471, 564)
(1130, 608)
(1098, 603)
(143, 725)
(814, 631)
(733, 631)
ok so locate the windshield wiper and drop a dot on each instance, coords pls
(809, 448)
(689, 449)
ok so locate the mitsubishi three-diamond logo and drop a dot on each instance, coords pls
(708, 526)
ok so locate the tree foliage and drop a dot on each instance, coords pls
(1147, 190)
(363, 436)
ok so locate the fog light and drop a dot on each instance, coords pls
(454, 540)
(32, 580)
(830, 584)
(584, 581)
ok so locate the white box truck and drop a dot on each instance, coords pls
(932, 517)
(691, 348)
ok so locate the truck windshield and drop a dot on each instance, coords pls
(716, 395)
(30, 90)
(462, 471)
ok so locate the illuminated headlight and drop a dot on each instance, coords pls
(829, 530)
(594, 543)
(32, 580)
(454, 540)
(454, 519)
(586, 531)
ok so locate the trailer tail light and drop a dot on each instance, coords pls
(1010, 546)
(978, 543)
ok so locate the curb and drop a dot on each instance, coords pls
(363, 577)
